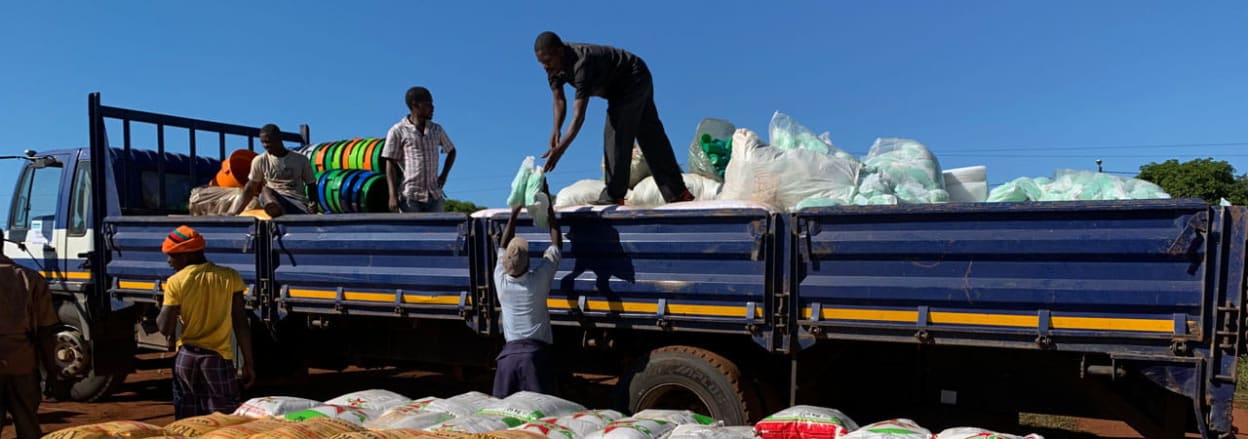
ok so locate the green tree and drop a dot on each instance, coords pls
(1207, 179)
(462, 206)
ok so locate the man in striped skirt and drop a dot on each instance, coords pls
(207, 300)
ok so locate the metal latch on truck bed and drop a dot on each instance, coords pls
(1192, 234)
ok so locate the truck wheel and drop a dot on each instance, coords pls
(689, 378)
(73, 354)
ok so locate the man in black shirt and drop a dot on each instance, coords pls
(624, 81)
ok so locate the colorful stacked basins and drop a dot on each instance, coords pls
(350, 177)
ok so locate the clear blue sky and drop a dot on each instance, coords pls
(1022, 87)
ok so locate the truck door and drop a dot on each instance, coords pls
(33, 219)
(76, 240)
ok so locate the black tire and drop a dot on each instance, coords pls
(689, 378)
(92, 387)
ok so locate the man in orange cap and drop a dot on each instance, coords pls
(207, 300)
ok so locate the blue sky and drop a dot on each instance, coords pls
(1024, 88)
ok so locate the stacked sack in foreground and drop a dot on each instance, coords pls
(381, 414)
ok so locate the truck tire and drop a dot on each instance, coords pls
(74, 347)
(690, 378)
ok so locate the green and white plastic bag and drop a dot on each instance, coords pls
(891, 429)
(527, 190)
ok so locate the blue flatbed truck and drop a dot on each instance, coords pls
(1129, 310)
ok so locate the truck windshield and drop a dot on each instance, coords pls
(33, 212)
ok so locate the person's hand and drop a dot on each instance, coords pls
(247, 376)
(394, 204)
(552, 158)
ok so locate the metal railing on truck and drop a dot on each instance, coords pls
(383, 265)
(1157, 283)
(701, 271)
(104, 176)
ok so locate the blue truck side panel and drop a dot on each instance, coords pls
(373, 264)
(1126, 277)
(138, 269)
(704, 270)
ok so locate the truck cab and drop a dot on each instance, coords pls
(52, 228)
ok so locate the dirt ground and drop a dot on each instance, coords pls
(145, 397)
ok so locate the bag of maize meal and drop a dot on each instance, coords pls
(805, 421)
(201, 425)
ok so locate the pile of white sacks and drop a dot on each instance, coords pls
(799, 169)
(381, 414)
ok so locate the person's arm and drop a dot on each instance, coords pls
(167, 321)
(556, 236)
(510, 231)
(561, 112)
(46, 323)
(578, 118)
(309, 180)
(449, 149)
(242, 334)
(392, 153)
(255, 182)
(170, 308)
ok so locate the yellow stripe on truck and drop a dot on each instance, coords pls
(1006, 320)
(149, 286)
(361, 296)
(619, 306)
(76, 275)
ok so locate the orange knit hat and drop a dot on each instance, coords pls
(183, 240)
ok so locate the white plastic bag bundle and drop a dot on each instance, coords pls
(678, 417)
(904, 168)
(580, 193)
(967, 185)
(699, 161)
(1019, 190)
(786, 133)
(638, 170)
(268, 406)
(473, 400)
(979, 433)
(530, 407)
(377, 400)
(588, 421)
(527, 189)
(406, 418)
(891, 429)
(354, 415)
(783, 178)
(217, 201)
(697, 431)
(472, 424)
(630, 428)
(549, 429)
(647, 194)
(1071, 185)
(805, 421)
(429, 412)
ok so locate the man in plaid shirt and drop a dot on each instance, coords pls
(411, 150)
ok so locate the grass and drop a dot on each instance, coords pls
(1241, 386)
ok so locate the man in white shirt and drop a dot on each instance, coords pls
(525, 363)
(412, 153)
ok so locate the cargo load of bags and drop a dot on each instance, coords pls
(382, 414)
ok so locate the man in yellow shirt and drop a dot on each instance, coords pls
(208, 300)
